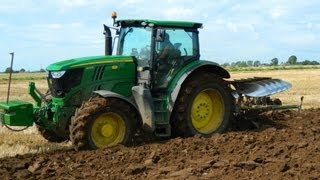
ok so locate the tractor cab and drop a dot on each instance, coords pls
(160, 48)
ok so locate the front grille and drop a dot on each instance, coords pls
(98, 73)
(61, 86)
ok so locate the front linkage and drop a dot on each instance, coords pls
(21, 113)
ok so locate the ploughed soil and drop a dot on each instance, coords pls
(283, 145)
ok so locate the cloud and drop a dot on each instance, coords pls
(232, 27)
(179, 13)
(298, 39)
(310, 25)
(76, 24)
(55, 26)
(67, 5)
(278, 12)
(74, 3)
(131, 2)
(12, 7)
(58, 34)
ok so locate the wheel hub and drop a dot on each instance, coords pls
(107, 130)
(202, 111)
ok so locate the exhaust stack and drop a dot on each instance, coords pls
(108, 40)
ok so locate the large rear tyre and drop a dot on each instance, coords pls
(204, 106)
(50, 135)
(102, 122)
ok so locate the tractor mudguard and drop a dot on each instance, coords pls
(105, 93)
(193, 67)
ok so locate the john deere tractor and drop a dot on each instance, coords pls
(155, 82)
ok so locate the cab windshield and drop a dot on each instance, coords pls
(135, 41)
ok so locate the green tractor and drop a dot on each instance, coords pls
(154, 83)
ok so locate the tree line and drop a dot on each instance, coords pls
(292, 60)
(22, 70)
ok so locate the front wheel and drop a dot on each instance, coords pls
(50, 135)
(204, 106)
(103, 122)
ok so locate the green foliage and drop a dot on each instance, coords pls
(292, 60)
(250, 63)
(271, 68)
(225, 64)
(243, 63)
(307, 62)
(239, 64)
(256, 63)
(274, 62)
(8, 70)
(292, 63)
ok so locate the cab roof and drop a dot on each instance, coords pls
(159, 23)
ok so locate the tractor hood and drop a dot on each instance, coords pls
(87, 61)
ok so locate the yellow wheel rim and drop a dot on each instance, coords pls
(108, 130)
(207, 111)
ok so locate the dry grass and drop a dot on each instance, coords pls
(19, 85)
(27, 141)
(304, 82)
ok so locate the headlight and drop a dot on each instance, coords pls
(57, 74)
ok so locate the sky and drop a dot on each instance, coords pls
(43, 32)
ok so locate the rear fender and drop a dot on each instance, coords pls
(190, 70)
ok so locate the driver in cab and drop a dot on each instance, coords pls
(167, 48)
(166, 52)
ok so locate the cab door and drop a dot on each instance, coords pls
(136, 42)
(174, 48)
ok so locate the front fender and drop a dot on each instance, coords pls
(105, 93)
(110, 94)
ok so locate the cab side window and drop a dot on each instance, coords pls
(177, 47)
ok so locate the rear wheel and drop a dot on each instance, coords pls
(102, 122)
(204, 106)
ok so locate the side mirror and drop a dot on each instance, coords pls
(160, 35)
